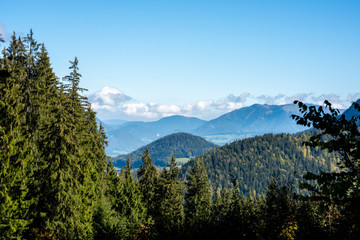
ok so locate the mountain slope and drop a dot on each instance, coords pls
(256, 119)
(114, 123)
(150, 131)
(351, 111)
(181, 145)
(121, 142)
(253, 161)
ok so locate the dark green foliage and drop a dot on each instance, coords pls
(15, 146)
(52, 154)
(253, 161)
(129, 204)
(148, 178)
(181, 145)
(197, 198)
(279, 210)
(169, 217)
(107, 222)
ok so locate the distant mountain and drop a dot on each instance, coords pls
(140, 130)
(351, 111)
(181, 145)
(254, 161)
(121, 142)
(176, 123)
(105, 125)
(150, 131)
(253, 120)
(114, 123)
(125, 137)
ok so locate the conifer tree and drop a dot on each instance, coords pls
(169, 202)
(197, 197)
(129, 204)
(279, 209)
(216, 208)
(87, 140)
(73, 90)
(44, 107)
(30, 86)
(65, 190)
(148, 177)
(15, 148)
(59, 196)
(107, 222)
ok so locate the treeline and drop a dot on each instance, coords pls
(161, 205)
(253, 161)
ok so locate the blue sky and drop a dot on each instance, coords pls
(142, 60)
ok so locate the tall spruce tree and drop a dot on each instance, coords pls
(148, 177)
(129, 204)
(15, 147)
(87, 141)
(169, 197)
(197, 197)
(59, 199)
(30, 86)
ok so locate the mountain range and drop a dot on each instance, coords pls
(252, 161)
(257, 119)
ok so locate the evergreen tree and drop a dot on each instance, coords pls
(279, 210)
(169, 216)
(60, 214)
(16, 149)
(129, 204)
(216, 209)
(64, 188)
(148, 177)
(30, 86)
(107, 222)
(197, 198)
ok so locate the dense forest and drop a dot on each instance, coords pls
(57, 183)
(254, 161)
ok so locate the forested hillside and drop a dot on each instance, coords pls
(181, 145)
(254, 161)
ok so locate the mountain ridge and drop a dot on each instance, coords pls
(181, 145)
(254, 120)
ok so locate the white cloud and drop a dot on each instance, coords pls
(108, 98)
(168, 108)
(112, 103)
(138, 109)
(240, 99)
(353, 97)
